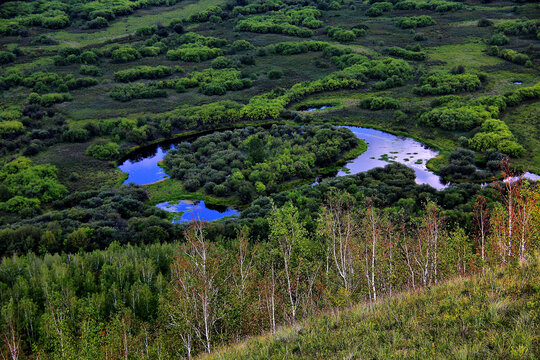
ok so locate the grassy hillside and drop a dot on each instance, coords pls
(495, 316)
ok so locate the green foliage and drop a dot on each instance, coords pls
(194, 53)
(205, 15)
(277, 24)
(498, 39)
(440, 83)
(344, 35)
(90, 70)
(270, 157)
(29, 181)
(409, 53)
(146, 30)
(514, 56)
(125, 54)
(242, 45)
(456, 117)
(495, 135)
(378, 8)
(379, 103)
(6, 57)
(515, 28)
(54, 98)
(11, 127)
(414, 22)
(136, 91)
(107, 151)
(142, 72)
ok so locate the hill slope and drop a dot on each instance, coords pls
(496, 316)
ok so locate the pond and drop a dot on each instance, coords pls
(384, 148)
(142, 167)
(187, 210)
(315, 108)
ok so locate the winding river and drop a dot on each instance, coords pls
(383, 148)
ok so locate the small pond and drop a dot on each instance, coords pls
(315, 108)
(142, 167)
(384, 148)
(187, 210)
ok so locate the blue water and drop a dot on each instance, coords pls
(144, 169)
(320, 108)
(187, 210)
(384, 148)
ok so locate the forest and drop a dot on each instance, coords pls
(339, 161)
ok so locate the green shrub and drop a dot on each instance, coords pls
(11, 127)
(414, 22)
(146, 30)
(90, 70)
(6, 57)
(457, 117)
(125, 54)
(275, 74)
(379, 103)
(221, 62)
(19, 204)
(440, 83)
(498, 39)
(108, 151)
(194, 53)
(54, 98)
(136, 91)
(377, 9)
(495, 134)
(242, 45)
(142, 72)
(407, 54)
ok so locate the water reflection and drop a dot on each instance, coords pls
(143, 168)
(187, 210)
(384, 148)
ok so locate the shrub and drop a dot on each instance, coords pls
(484, 22)
(177, 26)
(407, 54)
(499, 39)
(76, 134)
(194, 53)
(97, 23)
(440, 83)
(275, 74)
(457, 117)
(379, 103)
(146, 30)
(378, 8)
(11, 127)
(107, 151)
(19, 204)
(125, 54)
(495, 134)
(414, 22)
(242, 45)
(142, 72)
(340, 34)
(136, 91)
(90, 70)
(221, 62)
(54, 98)
(6, 57)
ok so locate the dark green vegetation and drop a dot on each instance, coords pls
(255, 161)
(92, 269)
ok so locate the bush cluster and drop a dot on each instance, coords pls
(410, 53)
(379, 103)
(143, 72)
(440, 83)
(414, 22)
(136, 91)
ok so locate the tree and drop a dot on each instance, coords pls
(426, 252)
(287, 232)
(337, 226)
(195, 280)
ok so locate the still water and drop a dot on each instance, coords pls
(187, 210)
(384, 148)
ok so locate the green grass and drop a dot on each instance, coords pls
(494, 316)
(128, 25)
